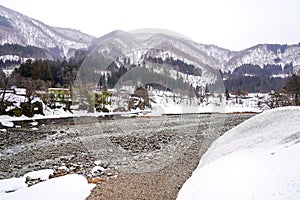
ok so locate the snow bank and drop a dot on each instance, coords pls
(7, 123)
(66, 187)
(159, 109)
(42, 174)
(71, 186)
(12, 184)
(259, 159)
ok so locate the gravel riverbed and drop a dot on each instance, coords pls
(138, 158)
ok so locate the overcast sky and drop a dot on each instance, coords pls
(232, 24)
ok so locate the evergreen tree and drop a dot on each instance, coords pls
(293, 88)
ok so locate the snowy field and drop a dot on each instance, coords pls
(259, 159)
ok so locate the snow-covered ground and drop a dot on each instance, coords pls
(157, 110)
(71, 186)
(164, 102)
(169, 103)
(259, 159)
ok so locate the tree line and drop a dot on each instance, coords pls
(253, 78)
(289, 95)
(22, 51)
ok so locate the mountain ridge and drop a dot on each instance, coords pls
(17, 28)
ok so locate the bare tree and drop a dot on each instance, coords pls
(5, 83)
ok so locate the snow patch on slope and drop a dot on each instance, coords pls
(259, 159)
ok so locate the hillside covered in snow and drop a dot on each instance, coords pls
(167, 57)
(20, 29)
(258, 159)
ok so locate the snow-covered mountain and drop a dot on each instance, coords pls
(265, 54)
(194, 63)
(162, 53)
(211, 55)
(216, 57)
(16, 28)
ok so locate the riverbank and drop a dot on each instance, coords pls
(142, 157)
